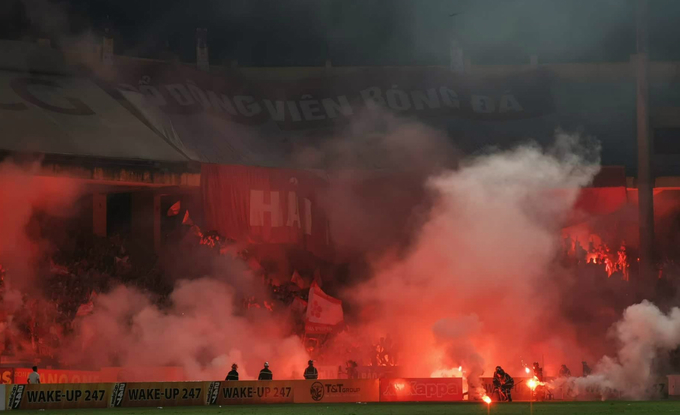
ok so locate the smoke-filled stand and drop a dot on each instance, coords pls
(374, 234)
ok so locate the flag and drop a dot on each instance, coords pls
(187, 220)
(88, 307)
(57, 269)
(322, 309)
(85, 309)
(255, 266)
(175, 208)
(299, 281)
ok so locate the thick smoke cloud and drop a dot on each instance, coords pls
(378, 167)
(23, 194)
(203, 331)
(646, 335)
(479, 286)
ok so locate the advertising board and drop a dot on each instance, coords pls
(250, 392)
(6, 376)
(159, 394)
(58, 396)
(58, 376)
(421, 390)
(343, 390)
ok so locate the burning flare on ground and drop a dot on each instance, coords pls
(486, 399)
(533, 383)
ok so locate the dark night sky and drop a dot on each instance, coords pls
(356, 32)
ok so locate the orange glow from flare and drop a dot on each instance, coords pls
(399, 386)
(526, 369)
(533, 383)
(486, 399)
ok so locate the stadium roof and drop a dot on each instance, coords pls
(67, 114)
(154, 111)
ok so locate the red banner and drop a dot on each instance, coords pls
(377, 372)
(142, 374)
(261, 205)
(601, 200)
(421, 390)
(7, 375)
(58, 376)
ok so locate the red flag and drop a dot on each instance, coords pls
(299, 281)
(85, 309)
(88, 307)
(175, 208)
(57, 269)
(187, 220)
(322, 308)
(255, 266)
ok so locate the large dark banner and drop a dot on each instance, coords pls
(323, 101)
(261, 205)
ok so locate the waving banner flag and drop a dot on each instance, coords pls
(174, 209)
(323, 311)
(187, 219)
(87, 308)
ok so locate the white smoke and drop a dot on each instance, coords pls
(487, 250)
(645, 334)
(204, 332)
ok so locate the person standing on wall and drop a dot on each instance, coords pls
(34, 377)
(310, 372)
(265, 373)
(233, 374)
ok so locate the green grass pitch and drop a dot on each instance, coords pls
(550, 408)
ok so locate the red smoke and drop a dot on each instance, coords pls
(22, 194)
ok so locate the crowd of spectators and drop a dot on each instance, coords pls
(617, 270)
(72, 278)
(598, 258)
(386, 353)
(64, 289)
